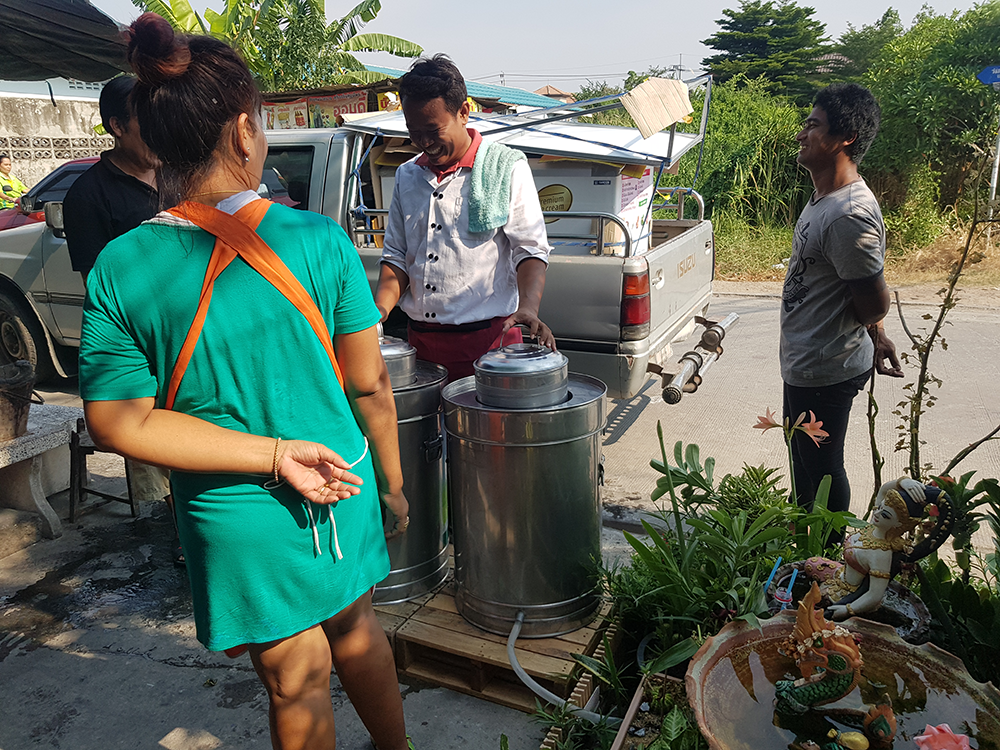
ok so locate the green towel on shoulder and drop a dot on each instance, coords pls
(489, 190)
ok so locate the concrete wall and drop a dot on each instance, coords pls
(39, 137)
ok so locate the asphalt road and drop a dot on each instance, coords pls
(746, 381)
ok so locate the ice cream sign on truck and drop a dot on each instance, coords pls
(314, 111)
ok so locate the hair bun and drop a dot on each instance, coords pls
(155, 52)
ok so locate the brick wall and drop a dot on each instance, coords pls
(39, 137)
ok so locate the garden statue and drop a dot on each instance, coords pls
(874, 555)
(827, 657)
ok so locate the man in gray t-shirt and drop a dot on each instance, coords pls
(834, 289)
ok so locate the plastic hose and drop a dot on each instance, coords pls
(541, 692)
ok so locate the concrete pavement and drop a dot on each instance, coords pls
(97, 651)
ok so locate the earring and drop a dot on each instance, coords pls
(246, 158)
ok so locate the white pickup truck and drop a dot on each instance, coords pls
(620, 288)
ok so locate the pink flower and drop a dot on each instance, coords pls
(767, 422)
(941, 738)
(812, 428)
(933, 510)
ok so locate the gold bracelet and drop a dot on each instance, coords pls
(879, 574)
(850, 610)
(277, 481)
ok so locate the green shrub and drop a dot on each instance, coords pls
(748, 168)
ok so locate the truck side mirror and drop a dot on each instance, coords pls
(54, 218)
(25, 204)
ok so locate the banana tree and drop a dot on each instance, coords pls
(287, 43)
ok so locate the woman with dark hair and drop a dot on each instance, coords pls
(233, 341)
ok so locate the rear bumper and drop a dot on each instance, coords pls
(622, 365)
(623, 372)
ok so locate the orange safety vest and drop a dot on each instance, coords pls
(237, 235)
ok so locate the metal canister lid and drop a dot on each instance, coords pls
(400, 360)
(522, 376)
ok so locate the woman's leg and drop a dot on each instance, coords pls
(296, 673)
(364, 663)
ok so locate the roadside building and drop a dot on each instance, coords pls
(559, 95)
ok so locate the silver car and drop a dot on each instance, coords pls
(41, 296)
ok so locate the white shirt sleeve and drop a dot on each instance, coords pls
(525, 227)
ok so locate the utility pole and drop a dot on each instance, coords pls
(502, 79)
(990, 75)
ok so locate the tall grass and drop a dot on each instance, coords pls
(748, 172)
(750, 253)
(754, 189)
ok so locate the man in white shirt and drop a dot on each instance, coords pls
(465, 248)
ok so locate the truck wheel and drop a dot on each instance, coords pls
(21, 337)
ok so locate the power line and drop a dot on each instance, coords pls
(620, 62)
(591, 77)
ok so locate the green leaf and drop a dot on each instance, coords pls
(382, 43)
(674, 724)
(360, 77)
(217, 23)
(186, 19)
(504, 742)
(676, 654)
(692, 456)
(986, 636)
(592, 665)
(339, 32)
(158, 7)
(752, 619)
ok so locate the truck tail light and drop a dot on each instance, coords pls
(635, 311)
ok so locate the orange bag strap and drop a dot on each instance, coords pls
(237, 235)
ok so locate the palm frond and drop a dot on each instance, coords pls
(186, 19)
(158, 7)
(343, 61)
(382, 43)
(338, 32)
(361, 77)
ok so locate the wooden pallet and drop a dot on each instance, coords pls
(587, 684)
(433, 643)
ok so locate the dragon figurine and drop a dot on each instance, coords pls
(827, 656)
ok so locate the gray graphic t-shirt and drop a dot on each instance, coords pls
(838, 238)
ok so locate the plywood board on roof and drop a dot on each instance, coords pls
(657, 103)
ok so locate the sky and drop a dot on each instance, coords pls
(531, 43)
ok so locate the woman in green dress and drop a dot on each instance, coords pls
(233, 341)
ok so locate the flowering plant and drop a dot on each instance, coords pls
(941, 738)
(812, 429)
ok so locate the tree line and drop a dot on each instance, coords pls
(938, 121)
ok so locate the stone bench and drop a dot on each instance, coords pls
(37, 463)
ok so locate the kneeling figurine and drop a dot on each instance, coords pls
(874, 555)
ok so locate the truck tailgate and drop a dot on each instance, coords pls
(582, 298)
(681, 267)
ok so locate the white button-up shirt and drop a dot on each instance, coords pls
(456, 276)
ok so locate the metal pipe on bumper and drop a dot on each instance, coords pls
(694, 364)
